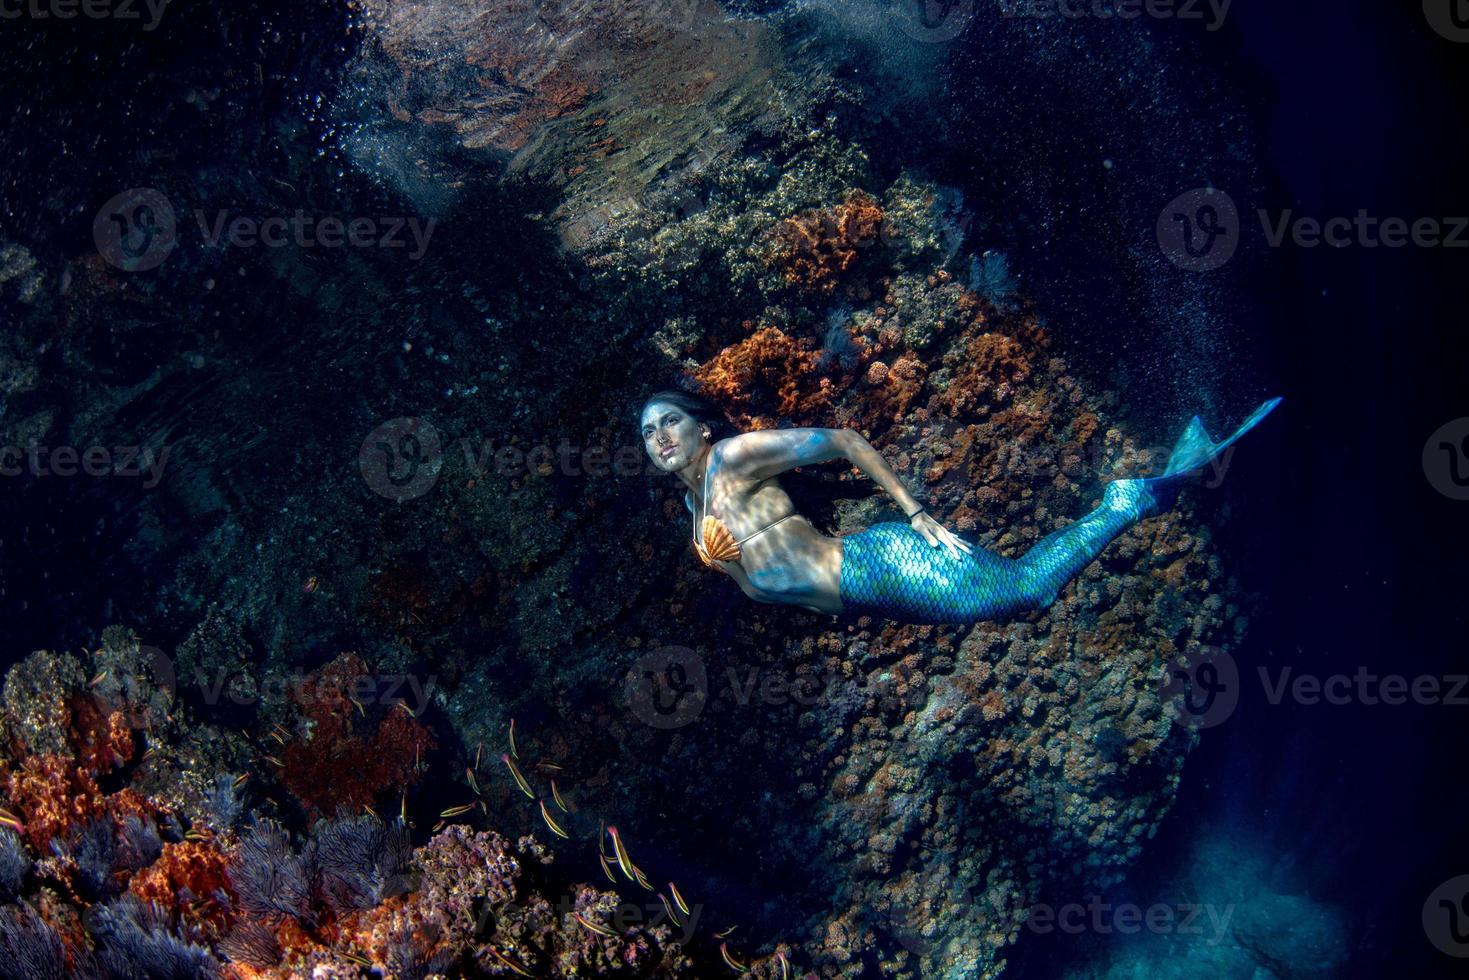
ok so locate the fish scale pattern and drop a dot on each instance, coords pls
(890, 570)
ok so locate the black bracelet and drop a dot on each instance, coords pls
(915, 513)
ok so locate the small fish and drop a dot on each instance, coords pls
(548, 766)
(784, 975)
(404, 705)
(684, 906)
(721, 935)
(606, 870)
(371, 811)
(416, 766)
(642, 879)
(437, 827)
(623, 861)
(734, 964)
(509, 962)
(513, 750)
(479, 752)
(403, 807)
(200, 835)
(360, 709)
(241, 780)
(11, 820)
(546, 815)
(556, 794)
(310, 585)
(669, 909)
(149, 754)
(455, 811)
(354, 958)
(519, 779)
(469, 775)
(599, 930)
(282, 729)
(98, 679)
(274, 761)
(277, 737)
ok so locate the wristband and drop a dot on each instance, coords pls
(915, 513)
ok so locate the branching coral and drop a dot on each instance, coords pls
(346, 761)
(768, 368)
(814, 249)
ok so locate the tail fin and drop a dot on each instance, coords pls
(1195, 448)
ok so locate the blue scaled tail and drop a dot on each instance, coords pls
(891, 571)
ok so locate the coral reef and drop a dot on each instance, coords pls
(645, 199)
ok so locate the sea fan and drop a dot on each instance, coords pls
(30, 947)
(15, 864)
(91, 847)
(360, 860)
(989, 276)
(269, 879)
(838, 347)
(139, 843)
(225, 802)
(138, 942)
(252, 943)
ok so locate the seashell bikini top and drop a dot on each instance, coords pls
(716, 543)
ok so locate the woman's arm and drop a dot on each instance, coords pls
(768, 452)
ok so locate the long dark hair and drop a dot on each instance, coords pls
(813, 489)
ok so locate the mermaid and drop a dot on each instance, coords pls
(745, 524)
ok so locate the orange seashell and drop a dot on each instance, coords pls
(719, 544)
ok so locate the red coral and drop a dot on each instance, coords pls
(814, 249)
(347, 761)
(767, 367)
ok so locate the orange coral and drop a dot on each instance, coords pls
(344, 764)
(50, 793)
(195, 866)
(764, 367)
(815, 248)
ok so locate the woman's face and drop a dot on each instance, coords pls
(671, 436)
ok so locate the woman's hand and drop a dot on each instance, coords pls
(935, 534)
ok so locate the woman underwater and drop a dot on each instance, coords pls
(745, 525)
